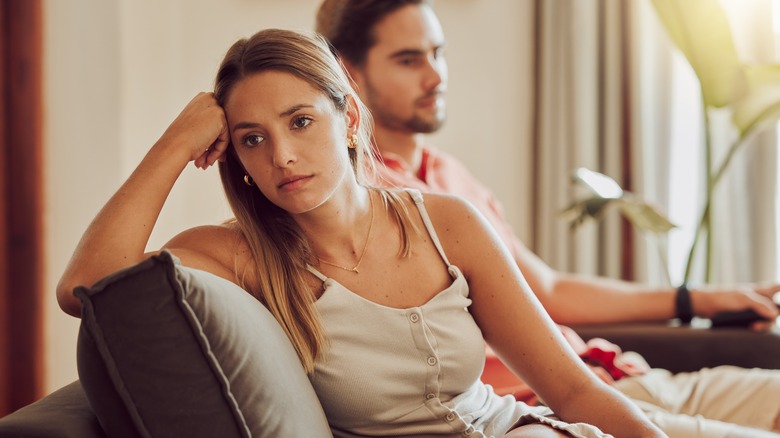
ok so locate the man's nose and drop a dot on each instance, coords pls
(436, 72)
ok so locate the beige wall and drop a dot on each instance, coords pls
(117, 72)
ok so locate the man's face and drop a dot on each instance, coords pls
(404, 77)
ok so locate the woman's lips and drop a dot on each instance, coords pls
(293, 182)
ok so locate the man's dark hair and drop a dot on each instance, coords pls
(349, 24)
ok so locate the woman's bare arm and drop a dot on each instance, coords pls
(118, 235)
(515, 325)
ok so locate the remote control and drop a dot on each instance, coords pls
(738, 318)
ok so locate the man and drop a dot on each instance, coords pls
(394, 52)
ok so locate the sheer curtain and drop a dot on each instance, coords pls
(744, 242)
(613, 94)
(747, 238)
(586, 114)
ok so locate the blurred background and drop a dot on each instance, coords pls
(537, 89)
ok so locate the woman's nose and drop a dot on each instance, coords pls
(283, 153)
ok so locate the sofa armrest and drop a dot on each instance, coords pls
(690, 348)
(65, 413)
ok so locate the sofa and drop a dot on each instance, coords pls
(169, 351)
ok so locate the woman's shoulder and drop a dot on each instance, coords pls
(459, 225)
(218, 249)
(435, 204)
(429, 199)
(451, 208)
(209, 237)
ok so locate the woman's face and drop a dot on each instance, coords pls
(290, 138)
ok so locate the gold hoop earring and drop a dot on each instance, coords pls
(248, 180)
(352, 141)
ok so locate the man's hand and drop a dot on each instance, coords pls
(708, 301)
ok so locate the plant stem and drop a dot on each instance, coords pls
(710, 192)
(663, 251)
(704, 223)
(706, 218)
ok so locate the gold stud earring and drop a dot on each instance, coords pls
(352, 141)
(248, 180)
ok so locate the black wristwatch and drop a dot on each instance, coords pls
(682, 303)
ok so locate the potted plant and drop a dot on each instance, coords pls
(748, 93)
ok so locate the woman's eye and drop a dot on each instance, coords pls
(301, 122)
(253, 140)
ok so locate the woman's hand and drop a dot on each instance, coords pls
(201, 130)
(119, 234)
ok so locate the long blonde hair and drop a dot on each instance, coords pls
(279, 248)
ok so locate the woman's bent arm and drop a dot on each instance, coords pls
(516, 326)
(118, 235)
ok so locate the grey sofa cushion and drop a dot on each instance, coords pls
(64, 413)
(170, 351)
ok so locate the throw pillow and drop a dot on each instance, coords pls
(169, 351)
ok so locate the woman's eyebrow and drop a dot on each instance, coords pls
(245, 125)
(293, 109)
(285, 113)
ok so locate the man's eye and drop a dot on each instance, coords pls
(301, 122)
(253, 140)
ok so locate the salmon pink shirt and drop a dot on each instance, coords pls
(441, 173)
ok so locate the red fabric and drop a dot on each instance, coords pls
(596, 352)
(608, 356)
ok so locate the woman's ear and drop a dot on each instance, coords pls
(352, 115)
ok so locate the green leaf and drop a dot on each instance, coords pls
(608, 193)
(762, 103)
(584, 209)
(700, 29)
(601, 185)
(640, 214)
(645, 217)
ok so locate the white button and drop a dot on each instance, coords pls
(414, 317)
(431, 361)
(430, 395)
(450, 416)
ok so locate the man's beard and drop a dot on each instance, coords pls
(415, 124)
(423, 126)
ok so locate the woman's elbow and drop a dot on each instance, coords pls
(68, 302)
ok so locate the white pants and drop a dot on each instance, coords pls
(707, 403)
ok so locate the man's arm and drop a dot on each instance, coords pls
(583, 299)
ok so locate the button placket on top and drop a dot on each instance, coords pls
(425, 344)
(470, 430)
(428, 355)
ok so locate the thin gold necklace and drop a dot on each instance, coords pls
(365, 246)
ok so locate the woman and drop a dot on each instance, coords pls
(386, 296)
